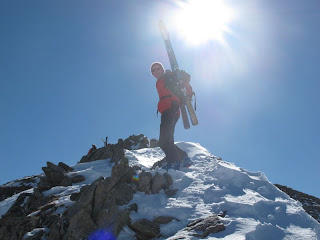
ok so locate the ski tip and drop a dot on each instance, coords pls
(161, 25)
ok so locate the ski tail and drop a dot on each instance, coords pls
(184, 114)
(192, 114)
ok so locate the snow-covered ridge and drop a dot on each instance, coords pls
(255, 208)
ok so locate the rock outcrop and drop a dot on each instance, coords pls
(115, 151)
(14, 187)
(104, 204)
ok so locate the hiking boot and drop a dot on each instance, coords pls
(174, 165)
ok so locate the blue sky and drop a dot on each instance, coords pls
(73, 72)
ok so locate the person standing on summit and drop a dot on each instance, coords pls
(168, 106)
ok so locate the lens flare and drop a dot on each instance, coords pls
(102, 235)
(135, 178)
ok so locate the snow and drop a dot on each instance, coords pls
(256, 209)
(34, 232)
(26, 181)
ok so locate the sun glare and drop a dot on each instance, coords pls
(201, 20)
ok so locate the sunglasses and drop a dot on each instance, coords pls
(156, 69)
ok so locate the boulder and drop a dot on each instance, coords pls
(65, 167)
(144, 183)
(171, 192)
(145, 229)
(44, 184)
(211, 224)
(56, 175)
(78, 179)
(168, 180)
(9, 189)
(157, 183)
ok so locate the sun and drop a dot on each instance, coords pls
(199, 21)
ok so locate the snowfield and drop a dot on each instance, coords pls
(255, 208)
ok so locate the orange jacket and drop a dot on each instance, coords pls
(166, 97)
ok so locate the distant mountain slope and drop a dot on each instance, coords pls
(309, 203)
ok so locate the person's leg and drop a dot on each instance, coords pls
(166, 139)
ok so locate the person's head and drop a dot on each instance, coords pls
(157, 70)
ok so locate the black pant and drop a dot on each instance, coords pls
(166, 140)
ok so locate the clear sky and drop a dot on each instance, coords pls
(73, 72)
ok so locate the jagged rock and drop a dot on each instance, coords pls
(65, 182)
(58, 229)
(98, 154)
(9, 189)
(123, 193)
(65, 167)
(85, 199)
(109, 194)
(98, 203)
(120, 168)
(16, 222)
(80, 214)
(81, 224)
(76, 196)
(78, 179)
(144, 183)
(123, 219)
(116, 151)
(135, 142)
(168, 179)
(16, 210)
(211, 224)
(145, 229)
(171, 192)
(133, 207)
(157, 183)
(163, 220)
(44, 184)
(56, 175)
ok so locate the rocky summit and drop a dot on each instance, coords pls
(120, 191)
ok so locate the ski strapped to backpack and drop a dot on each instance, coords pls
(181, 78)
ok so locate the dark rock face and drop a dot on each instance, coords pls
(211, 224)
(104, 204)
(65, 167)
(78, 179)
(158, 183)
(115, 151)
(54, 176)
(14, 187)
(144, 183)
(145, 229)
(309, 203)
